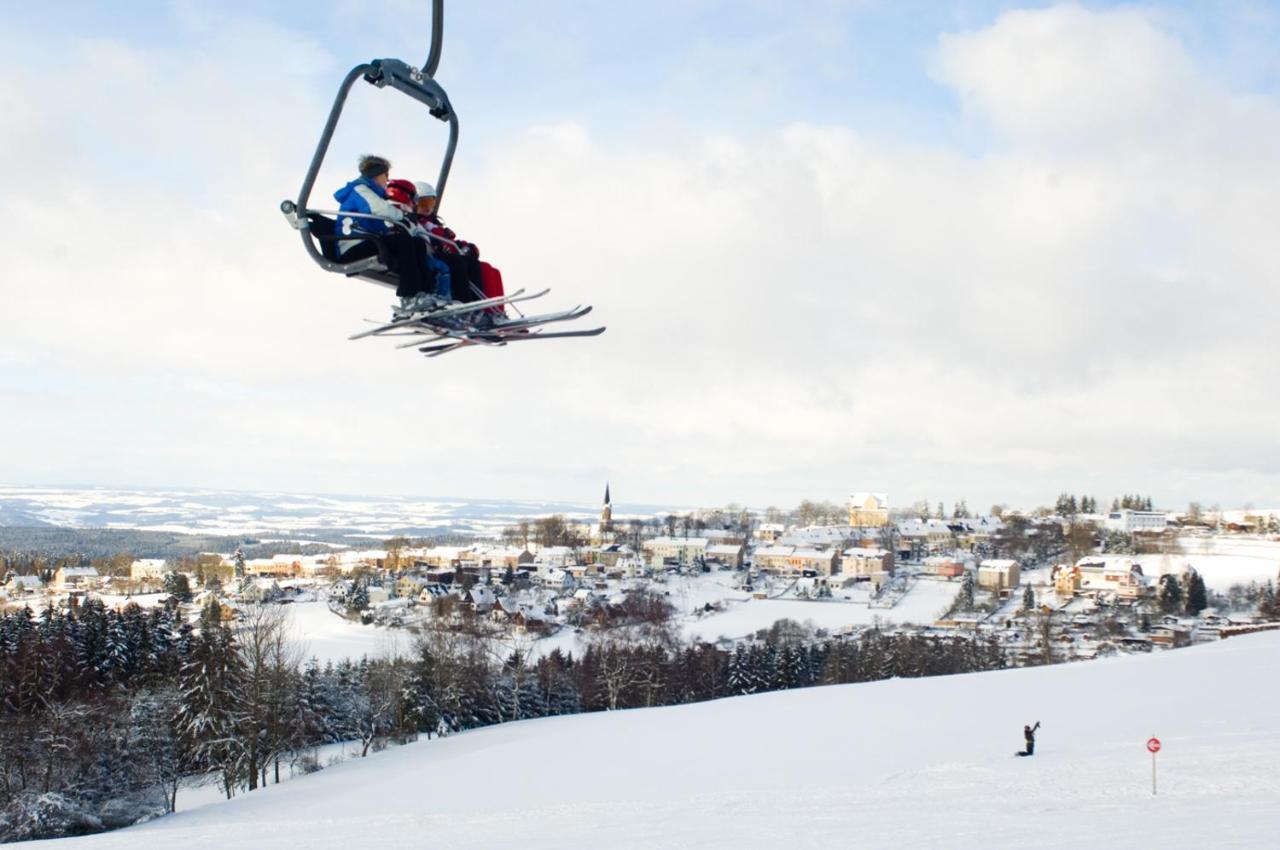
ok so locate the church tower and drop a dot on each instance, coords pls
(606, 514)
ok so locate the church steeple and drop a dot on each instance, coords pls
(606, 513)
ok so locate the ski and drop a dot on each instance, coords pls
(475, 339)
(500, 329)
(543, 319)
(455, 310)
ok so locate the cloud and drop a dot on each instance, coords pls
(796, 313)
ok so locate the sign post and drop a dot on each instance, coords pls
(1153, 747)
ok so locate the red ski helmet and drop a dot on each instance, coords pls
(401, 192)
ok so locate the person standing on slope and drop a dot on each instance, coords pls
(1029, 732)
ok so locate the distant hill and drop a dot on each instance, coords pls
(52, 542)
(306, 518)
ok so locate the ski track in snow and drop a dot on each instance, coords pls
(923, 763)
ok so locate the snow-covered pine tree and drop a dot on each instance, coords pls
(210, 715)
(740, 678)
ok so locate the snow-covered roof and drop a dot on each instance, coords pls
(690, 542)
(861, 552)
(29, 582)
(812, 553)
(79, 572)
(997, 564)
(774, 551)
(724, 549)
(859, 500)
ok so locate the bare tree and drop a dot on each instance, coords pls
(269, 657)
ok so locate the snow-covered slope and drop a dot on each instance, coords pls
(924, 763)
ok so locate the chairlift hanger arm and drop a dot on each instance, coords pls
(437, 38)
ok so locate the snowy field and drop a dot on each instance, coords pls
(926, 601)
(328, 637)
(923, 763)
(1221, 561)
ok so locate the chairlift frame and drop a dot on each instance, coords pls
(417, 83)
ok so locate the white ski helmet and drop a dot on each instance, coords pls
(425, 190)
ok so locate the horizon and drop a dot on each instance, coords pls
(626, 506)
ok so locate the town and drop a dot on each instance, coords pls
(1049, 585)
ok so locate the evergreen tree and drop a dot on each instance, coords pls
(1169, 595)
(1028, 598)
(1268, 605)
(210, 714)
(177, 586)
(358, 599)
(966, 591)
(740, 679)
(1197, 596)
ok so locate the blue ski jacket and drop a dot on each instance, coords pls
(363, 195)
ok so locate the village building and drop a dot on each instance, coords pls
(864, 563)
(998, 574)
(768, 532)
(281, 566)
(555, 556)
(921, 538)
(1137, 522)
(942, 565)
(728, 554)
(772, 559)
(609, 555)
(684, 551)
(23, 585)
(148, 569)
(1122, 576)
(812, 561)
(75, 577)
(869, 509)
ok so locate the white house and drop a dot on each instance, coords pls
(998, 574)
(555, 556)
(147, 569)
(1137, 522)
(65, 577)
(682, 550)
(866, 562)
(23, 585)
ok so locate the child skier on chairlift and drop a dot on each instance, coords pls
(405, 256)
(402, 194)
(476, 279)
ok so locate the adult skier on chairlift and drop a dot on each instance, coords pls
(424, 283)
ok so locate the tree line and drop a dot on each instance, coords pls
(104, 714)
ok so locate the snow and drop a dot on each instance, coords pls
(925, 602)
(914, 763)
(330, 637)
(1222, 561)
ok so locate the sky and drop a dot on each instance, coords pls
(943, 250)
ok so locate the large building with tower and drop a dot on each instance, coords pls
(868, 510)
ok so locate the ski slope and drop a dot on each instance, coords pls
(924, 763)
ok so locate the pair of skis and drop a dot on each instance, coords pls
(428, 327)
